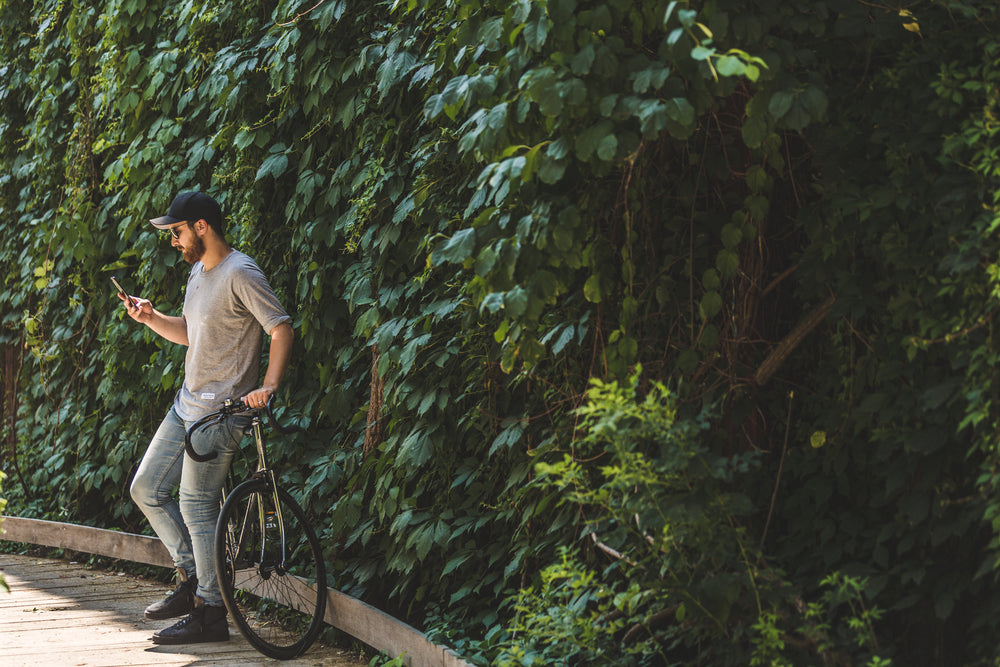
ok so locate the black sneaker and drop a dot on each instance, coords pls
(178, 603)
(205, 623)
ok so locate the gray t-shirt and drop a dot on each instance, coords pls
(227, 310)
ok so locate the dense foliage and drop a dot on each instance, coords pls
(782, 212)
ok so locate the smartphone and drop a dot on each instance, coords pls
(121, 290)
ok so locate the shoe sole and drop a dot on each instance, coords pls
(188, 640)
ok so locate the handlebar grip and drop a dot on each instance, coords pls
(269, 410)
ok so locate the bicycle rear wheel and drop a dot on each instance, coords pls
(269, 588)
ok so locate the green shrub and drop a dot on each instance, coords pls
(671, 576)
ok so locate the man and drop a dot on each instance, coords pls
(228, 306)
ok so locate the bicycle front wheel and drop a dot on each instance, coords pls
(269, 577)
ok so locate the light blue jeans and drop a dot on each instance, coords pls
(186, 525)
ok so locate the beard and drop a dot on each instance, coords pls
(194, 252)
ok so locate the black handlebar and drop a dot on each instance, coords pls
(229, 408)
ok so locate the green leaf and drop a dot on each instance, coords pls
(680, 111)
(454, 563)
(757, 206)
(730, 66)
(515, 301)
(434, 106)
(756, 178)
(814, 102)
(542, 87)
(485, 262)
(670, 10)
(702, 53)
(550, 102)
(607, 148)
(652, 116)
(688, 361)
(652, 77)
(501, 333)
(458, 248)
(492, 302)
(530, 351)
(274, 166)
(496, 119)
(710, 280)
(590, 139)
(797, 118)
(728, 263)
(709, 337)
(558, 149)
(490, 32)
(628, 349)
(781, 103)
(592, 289)
(416, 448)
(754, 131)
(710, 305)
(564, 339)
(550, 170)
(583, 60)
(564, 236)
(731, 236)
(536, 32)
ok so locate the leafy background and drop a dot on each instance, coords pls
(666, 322)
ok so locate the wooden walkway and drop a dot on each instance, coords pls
(62, 614)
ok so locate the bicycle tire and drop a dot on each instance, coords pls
(274, 605)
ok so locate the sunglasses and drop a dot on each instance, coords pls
(173, 230)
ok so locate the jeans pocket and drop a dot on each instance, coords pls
(237, 426)
(223, 438)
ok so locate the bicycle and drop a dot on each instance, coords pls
(267, 557)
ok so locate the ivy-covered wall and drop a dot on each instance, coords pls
(766, 229)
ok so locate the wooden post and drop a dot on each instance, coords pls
(784, 348)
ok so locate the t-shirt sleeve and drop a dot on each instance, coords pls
(256, 295)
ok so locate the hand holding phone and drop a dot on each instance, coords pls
(123, 293)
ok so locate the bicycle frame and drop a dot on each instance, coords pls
(263, 470)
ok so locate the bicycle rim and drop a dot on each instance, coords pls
(270, 591)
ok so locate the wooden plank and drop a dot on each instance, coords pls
(358, 619)
(85, 539)
(60, 613)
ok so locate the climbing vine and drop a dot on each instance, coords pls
(783, 212)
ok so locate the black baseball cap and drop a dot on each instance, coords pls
(191, 206)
